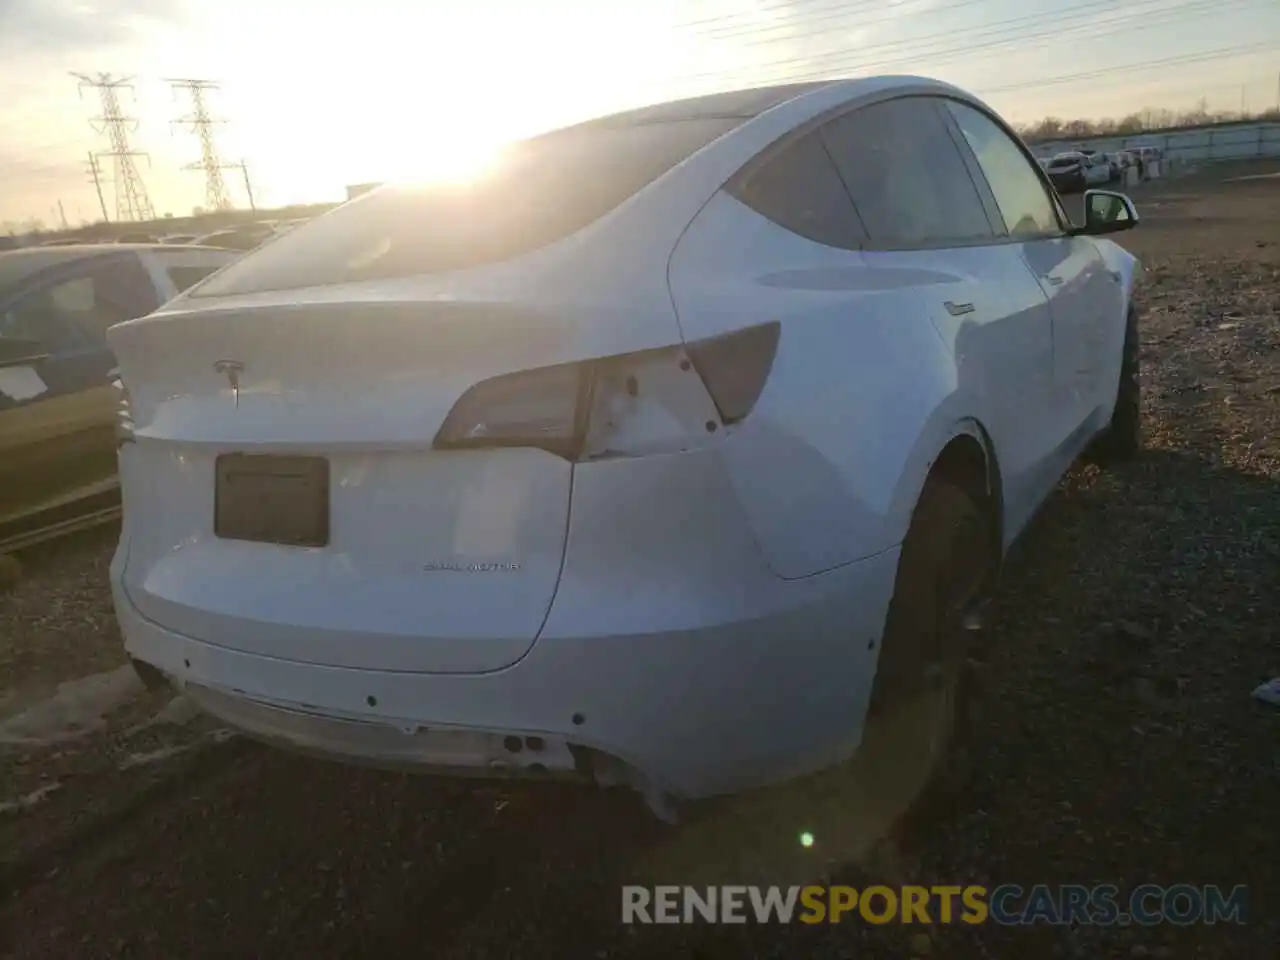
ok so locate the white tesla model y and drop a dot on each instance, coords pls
(666, 450)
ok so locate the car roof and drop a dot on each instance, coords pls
(240, 228)
(746, 104)
(17, 265)
(727, 105)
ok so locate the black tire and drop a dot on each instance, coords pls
(1122, 439)
(923, 698)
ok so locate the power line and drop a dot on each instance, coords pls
(754, 12)
(132, 202)
(822, 65)
(1263, 47)
(1090, 9)
(202, 124)
(840, 11)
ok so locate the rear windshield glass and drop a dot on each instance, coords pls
(541, 190)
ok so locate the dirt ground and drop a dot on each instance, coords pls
(1119, 743)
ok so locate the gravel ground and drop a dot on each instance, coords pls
(1120, 743)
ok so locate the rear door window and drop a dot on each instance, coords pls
(907, 177)
(538, 191)
(797, 187)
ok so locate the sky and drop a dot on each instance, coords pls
(318, 94)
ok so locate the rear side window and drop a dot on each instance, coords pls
(186, 277)
(539, 191)
(908, 179)
(798, 188)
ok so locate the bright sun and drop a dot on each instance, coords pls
(450, 160)
(398, 114)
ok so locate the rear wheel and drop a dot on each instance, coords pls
(1122, 439)
(922, 698)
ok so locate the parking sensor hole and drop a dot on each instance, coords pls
(579, 719)
(513, 744)
(371, 701)
(535, 744)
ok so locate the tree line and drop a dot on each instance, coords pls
(1146, 120)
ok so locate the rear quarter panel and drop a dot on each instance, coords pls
(862, 396)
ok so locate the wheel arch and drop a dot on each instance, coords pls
(965, 457)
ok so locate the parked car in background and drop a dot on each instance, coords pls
(284, 226)
(1097, 170)
(1067, 172)
(585, 472)
(238, 238)
(1121, 161)
(57, 402)
(179, 238)
(135, 238)
(1146, 155)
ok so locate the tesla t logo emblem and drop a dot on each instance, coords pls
(231, 369)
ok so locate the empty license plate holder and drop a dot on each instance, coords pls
(266, 498)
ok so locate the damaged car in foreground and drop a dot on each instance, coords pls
(669, 450)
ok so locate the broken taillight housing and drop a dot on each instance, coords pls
(124, 415)
(651, 401)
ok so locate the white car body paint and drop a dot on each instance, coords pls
(664, 607)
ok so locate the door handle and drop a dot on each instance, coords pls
(958, 309)
(1054, 281)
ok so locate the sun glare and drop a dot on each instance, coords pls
(449, 161)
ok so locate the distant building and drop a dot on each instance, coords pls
(355, 190)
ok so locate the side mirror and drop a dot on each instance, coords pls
(1107, 212)
(20, 352)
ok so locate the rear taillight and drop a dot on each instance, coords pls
(735, 367)
(124, 415)
(653, 401)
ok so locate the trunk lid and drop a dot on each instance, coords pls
(435, 561)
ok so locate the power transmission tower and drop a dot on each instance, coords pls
(95, 174)
(132, 202)
(202, 124)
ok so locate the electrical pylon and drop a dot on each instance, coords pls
(202, 124)
(132, 202)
